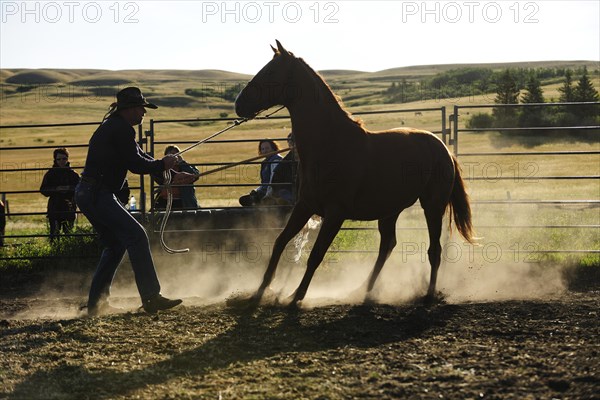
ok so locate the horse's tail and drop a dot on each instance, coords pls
(460, 208)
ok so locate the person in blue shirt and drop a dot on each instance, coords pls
(284, 182)
(267, 168)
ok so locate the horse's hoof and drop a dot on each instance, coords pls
(433, 299)
(294, 306)
(291, 302)
(369, 300)
(243, 301)
(428, 300)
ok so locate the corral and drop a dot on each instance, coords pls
(517, 322)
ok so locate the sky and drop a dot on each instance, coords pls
(235, 35)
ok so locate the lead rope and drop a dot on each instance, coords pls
(167, 182)
(167, 176)
(235, 123)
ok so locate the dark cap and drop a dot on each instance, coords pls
(132, 97)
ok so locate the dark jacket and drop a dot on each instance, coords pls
(188, 192)
(284, 182)
(267, 168)
(59, 186)
(113, 151)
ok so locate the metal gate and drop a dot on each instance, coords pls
(537, 186)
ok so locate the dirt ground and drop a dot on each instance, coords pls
(500, 349)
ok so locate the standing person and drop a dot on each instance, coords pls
(184, 197)
(58, 185)
(112, 152)
(267, 168)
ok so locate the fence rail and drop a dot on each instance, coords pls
(451, 130)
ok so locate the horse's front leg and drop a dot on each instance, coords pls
(387, 231)
(300, 215)
(329, 229)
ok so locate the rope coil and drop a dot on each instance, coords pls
(167, 176)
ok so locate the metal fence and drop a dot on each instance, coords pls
(157, 138)
(525, 168)
(13, 197)
(452, 130)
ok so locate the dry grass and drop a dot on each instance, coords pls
(71, 102)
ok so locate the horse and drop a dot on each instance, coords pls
(348, 172)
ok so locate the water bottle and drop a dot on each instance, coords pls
(132, 203)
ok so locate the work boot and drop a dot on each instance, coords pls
(159, 303)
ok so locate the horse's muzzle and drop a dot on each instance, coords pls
(242, 108)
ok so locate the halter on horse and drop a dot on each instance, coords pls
(348, 172)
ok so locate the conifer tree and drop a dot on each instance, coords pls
(533, 89)
(507, 92)
(585, 92)
(532, 115)
(566, 90)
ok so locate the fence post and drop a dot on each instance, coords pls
(456, 130)
(142, 195)
(150, 150)
(444, 124)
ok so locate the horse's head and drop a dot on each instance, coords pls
(270, 86)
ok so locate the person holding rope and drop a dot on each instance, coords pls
(184, 197)
(112, 152)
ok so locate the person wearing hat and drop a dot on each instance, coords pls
(112, 152)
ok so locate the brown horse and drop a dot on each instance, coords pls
(347, 172)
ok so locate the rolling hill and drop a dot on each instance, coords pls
(37, 95)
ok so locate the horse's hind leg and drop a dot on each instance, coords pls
(329, 230)
(434, 224)
(300, 215)
(387, 231)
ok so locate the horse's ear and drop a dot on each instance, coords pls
(280, 48)
(274, 50)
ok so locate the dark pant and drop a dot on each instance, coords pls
(118, 232)
(56, 225)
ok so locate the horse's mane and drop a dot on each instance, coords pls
(327, 89)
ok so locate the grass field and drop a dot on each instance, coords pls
(62, 96)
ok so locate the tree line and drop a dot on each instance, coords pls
(470, 81)
(512, 86)
(509, 92)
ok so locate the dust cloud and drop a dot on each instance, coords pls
(232, 262)
(496, 269)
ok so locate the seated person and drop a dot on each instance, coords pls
(267, 168)
(184, 197)
(283, 190)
